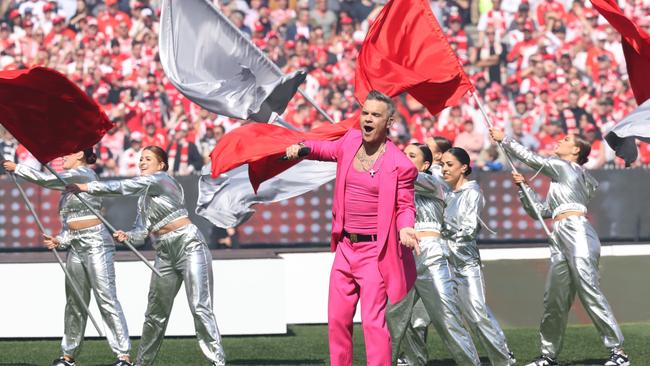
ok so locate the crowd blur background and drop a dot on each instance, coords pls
(543, 68)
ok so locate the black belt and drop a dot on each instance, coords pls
(355, 238)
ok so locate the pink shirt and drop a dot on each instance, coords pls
(361, 201)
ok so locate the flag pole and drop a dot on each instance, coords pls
(71, 280)
(512, 166)
(268, 61)
(105, 222)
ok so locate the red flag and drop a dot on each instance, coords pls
(262, 145)
(636, 47)
(48, 113)
(405, 50)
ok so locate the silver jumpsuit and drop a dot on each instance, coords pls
(460, 229)
(575, 251)
(181, 255)
(89, 261)
(434, 285)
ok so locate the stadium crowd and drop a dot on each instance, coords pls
(542, 68)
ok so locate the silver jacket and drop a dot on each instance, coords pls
(161, 201)
(430, 192)
(461, 216)
(571, 185)
(70, 206)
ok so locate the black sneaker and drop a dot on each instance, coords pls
(401, 361)
(62, 362)
(122, 363)
(618, 358)
(543, 361)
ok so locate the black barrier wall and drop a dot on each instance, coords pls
(619, 212)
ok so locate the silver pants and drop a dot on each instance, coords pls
(90, 264)
(436, 288)
(414, 343)
(181, 255)
(574, 270)
(466, 263)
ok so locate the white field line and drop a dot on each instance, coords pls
(493, 254)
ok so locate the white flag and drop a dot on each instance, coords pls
(636, 125)
(227, 201)
(214, 65)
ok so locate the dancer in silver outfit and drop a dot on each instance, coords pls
(181, 254)
(460, 228)
(575, 247)
(89, 260)
(435, 284)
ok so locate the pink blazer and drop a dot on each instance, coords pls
(396, 206)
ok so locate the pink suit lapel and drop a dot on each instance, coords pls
(349, 150)
(387, 190)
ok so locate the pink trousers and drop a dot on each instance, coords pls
(355, 274)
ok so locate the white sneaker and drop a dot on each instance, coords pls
(512, 360)
(618, 358)
(543, 361)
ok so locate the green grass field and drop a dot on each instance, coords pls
(307, 345)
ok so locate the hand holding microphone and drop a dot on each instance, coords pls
(296, 151)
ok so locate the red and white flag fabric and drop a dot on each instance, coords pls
(636, 48)
(49, 114)
(262, 145)
(405, 51)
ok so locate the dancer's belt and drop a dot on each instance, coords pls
(355, 238)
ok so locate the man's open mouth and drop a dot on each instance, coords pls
(368, 128)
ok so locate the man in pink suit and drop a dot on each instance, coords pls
(372, 212)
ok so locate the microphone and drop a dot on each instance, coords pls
(304, 151)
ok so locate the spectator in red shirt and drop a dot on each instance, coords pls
(109, 20)
(456, 34)
(153, 135)
(550, 8)
(59, 32)
(598, 58)
(523, 49)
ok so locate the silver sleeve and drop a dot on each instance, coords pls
(139, 232)
(48, 180)
(430, 185)
(125, 187)
(64, 238)
(542, 207)
(537, 162)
